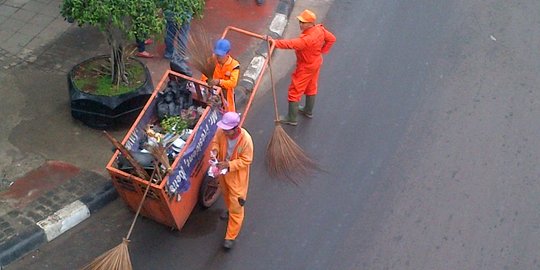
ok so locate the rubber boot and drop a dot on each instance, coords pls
(291, 116)
(308, 109)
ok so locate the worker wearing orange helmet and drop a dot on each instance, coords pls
(233, 148)
(314, 41)
(226, 72)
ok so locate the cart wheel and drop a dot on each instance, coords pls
(209, 192)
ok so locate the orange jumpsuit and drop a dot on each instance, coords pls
(228, 74)
(309, 47)
(234, 184)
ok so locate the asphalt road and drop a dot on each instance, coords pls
(425, 124)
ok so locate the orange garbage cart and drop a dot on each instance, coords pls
(173, 196)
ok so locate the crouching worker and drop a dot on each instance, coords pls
(233, 148)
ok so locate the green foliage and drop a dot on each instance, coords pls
(132, 17)
(122, 20)
(174, 124)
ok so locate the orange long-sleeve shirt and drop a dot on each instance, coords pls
(228, 74)
(234, 184)
(310, 46)
(240, 158)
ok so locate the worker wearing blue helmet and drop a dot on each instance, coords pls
(226, 72)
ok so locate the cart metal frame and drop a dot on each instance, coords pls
(161, 205)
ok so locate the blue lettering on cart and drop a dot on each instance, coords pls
(179, 177)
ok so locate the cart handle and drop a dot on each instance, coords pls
(242, 31)
(259, 78)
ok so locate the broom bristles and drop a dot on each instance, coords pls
(200, 51)
(160, 154)
(116, 258)
(286, 160)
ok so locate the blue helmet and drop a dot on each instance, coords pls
(222, 47)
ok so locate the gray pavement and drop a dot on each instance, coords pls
(50, 162)
(26, 28)
(37, 49)
(33, 87)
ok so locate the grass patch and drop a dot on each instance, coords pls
(94, 77)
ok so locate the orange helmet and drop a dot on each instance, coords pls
(307, 16)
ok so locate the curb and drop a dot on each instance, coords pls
(275, 29)
(54, 225)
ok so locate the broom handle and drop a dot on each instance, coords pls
(138, 169)
(142, 201)
(272, 80)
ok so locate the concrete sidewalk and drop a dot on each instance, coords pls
(52, 166)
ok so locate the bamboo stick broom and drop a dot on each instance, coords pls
(200, 51)
(284, 158)
(118, 258)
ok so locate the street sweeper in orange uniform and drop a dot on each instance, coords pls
(232, 147)
(314, 41)
(226, 72)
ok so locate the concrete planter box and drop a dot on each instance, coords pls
(103, 112)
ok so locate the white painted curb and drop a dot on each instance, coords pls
(64, 219)
(255, 67)
(277, 26)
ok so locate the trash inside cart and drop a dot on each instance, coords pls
(180, 117)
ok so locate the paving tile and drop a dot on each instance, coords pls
(49, 31)
(46, 36)
(5, 35)
(3, 19)
(11, 46)
(58, 3)
(37, 43)
(21, 39)
(34, 6)
(16, 3)
(61, 25)
(32, 29)
(41, 19)
(51, 9)
(11, 25)
(24, 15)
(6, 10)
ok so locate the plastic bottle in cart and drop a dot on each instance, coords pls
(191, 88)
(204, 93)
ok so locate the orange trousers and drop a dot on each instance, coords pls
(303, 82)
(236, 211)
(229, 97)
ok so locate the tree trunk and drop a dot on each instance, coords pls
(118, 64)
